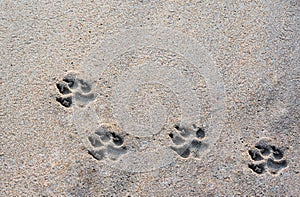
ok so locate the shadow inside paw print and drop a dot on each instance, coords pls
(187, 142)
(266, 158)
(74, 90)
(106, 144)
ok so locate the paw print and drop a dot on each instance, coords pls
(74, 90)
(266, 158)
(187, 142)
(106, 144)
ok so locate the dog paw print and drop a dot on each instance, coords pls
(106, 144)
(74, 90)
(266, 158)
(187, 142)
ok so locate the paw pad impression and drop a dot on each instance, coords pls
(106, 144)
(74, 90)
(266, 158)
(187, 142)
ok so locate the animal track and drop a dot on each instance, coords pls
(74, 90)
(187, 142)
(266, 158)
(106, 144)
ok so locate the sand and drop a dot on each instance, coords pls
(149, 98)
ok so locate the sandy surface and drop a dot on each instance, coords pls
(149, 98)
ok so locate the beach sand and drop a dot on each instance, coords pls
(149, 98)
